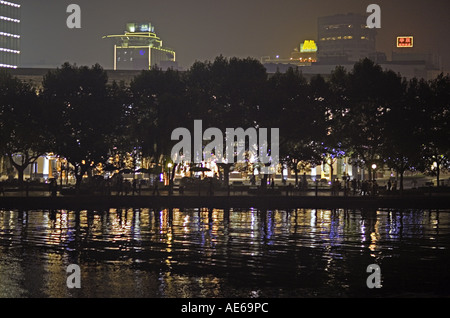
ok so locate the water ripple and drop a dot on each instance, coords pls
(216, 253)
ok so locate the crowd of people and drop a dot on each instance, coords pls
(358, 187)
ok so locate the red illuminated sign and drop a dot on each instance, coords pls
(405, 41)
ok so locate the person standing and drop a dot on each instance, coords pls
(134, 186)
(155, 188)
(354, 185)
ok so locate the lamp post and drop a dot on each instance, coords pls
(374, 167)
(374, 187)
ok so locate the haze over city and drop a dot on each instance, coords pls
(201, 30)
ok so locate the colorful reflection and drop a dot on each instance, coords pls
(219, 253)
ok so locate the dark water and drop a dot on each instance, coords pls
(202, 253)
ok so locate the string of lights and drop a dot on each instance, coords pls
(9, 34)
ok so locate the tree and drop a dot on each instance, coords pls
(22, 136)
(336, 144)
(361, 117)
(326, 134)
(297, 107)
(82, 115)
(402, 134)
(226, 93)
(158, 107)
(435, 134)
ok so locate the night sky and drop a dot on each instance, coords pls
(203, 29)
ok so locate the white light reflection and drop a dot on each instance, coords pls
(185, 224)
(313, 218)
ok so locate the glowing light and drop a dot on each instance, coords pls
(308, 46)
(9, 50)
(405, 41)
(6, 3)
(9, 35)
(9, 19)
(8, 66)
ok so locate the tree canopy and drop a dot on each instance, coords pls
(368, 114)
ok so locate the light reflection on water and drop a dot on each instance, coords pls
(217, 253)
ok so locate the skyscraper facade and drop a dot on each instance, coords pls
(9, 34)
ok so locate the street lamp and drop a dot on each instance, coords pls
(374, 166)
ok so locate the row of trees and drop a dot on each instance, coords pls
(367, 114)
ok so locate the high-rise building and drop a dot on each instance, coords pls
(345, 38)
(141, 49)
(9, 34)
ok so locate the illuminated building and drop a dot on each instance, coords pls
(9, 34)
(139, 48)
(345, 38)
(306, 52)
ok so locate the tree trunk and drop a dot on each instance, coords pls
(438, 174)
(20, 169)
(331, 171)
(296, 175)
(226, 172)
(79, 172)
(402, 171)
(264, 182)
(78, 178)
(172, 177)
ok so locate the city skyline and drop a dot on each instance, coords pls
(289, 153)
(202, 30)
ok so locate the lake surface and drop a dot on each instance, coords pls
(224, 254)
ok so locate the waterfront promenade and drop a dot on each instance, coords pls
(281, 198)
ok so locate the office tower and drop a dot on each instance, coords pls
(9, 34)
(345, 38)
(140, 49)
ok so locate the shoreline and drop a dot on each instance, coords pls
(265, 202)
